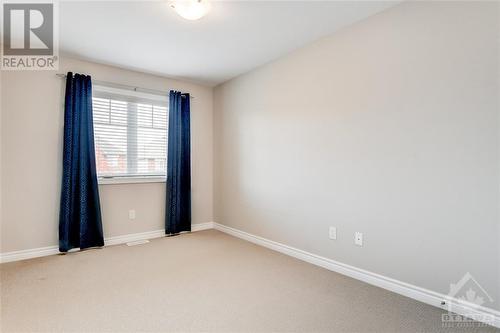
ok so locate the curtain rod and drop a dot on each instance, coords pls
(124, 86)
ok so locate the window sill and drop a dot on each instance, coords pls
(130, 180)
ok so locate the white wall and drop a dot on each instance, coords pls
(388, 127)
(1, 183)
(31, 149)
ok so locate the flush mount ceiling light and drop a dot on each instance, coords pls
(191, 9)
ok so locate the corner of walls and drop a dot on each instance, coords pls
(217, 153)
(215, 164)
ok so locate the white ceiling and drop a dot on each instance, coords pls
(235, 36)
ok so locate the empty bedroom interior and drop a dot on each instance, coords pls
(341, 172)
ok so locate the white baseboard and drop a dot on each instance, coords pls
(51, 250)
(133, 237)
(202, 226)
(399, 287)
(27, 254)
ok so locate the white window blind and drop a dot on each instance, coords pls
(130, 133)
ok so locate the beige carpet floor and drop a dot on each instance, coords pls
(200, 282)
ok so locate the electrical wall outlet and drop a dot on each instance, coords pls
(358, 238)
(332, 233)
(131, 214)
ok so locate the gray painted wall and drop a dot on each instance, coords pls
(389, 127)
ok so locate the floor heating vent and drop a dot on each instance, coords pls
(138, 242)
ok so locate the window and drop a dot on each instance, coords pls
(130, 134)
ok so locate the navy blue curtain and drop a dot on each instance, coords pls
(178, 207)
(80, 213)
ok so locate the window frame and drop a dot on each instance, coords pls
(129, 95)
